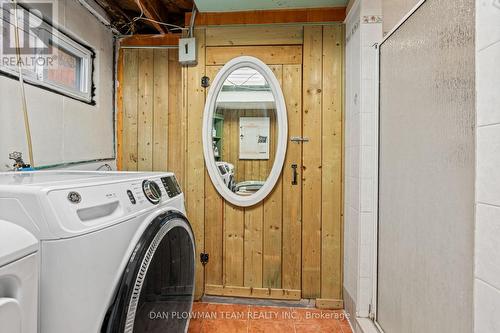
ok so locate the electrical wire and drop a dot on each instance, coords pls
(173, 27)
(23, 91)
(106, 165)
(191, 23)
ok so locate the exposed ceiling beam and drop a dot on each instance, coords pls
(178, 6)
(155, 13)
(119, 18)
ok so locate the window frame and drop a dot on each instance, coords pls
(68, 44)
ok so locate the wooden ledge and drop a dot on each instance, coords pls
(308, 15)
(265, 293)
(150, 40)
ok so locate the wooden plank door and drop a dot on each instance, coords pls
(322, 165)
(256, 251)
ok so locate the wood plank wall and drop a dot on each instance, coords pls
(290, 246)
(246, 169)
(152, 114)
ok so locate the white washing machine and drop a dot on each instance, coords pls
(18, 279)
(117, 253)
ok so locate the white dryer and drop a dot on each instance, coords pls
(117, 252)
(18, 279)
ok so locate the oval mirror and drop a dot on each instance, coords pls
(245, 131)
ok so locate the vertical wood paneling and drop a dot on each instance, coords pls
(214, 218)
(145, 111)
(247, 169)
(311, 198)
(160, 110)
(252, 265)
(130, 90)
(176, 118)
(292, 200)
(195, 184)
(273, 212)
(234, 217)
(233, 245)
(273, 217)
(331, 198)
(253, 247)
(214, 232)
(119, 111)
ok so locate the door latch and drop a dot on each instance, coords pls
(298, 139)
(294, 174)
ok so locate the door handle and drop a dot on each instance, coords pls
(299, 139)
(294, 174)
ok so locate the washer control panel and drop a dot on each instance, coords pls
(103, 203)
(171, 186)
(152, 191)
(131, 197)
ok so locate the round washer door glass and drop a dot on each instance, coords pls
(156, 290)
(166, 296)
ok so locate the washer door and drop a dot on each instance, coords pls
(156, 289)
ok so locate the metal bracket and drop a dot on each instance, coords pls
(205, 82)
(298, 139)
(204, 258)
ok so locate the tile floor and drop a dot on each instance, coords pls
(236, 318)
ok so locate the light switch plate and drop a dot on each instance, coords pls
(187, 51)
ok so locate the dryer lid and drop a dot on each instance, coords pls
(16, 243)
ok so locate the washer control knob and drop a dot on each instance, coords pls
(152, 191)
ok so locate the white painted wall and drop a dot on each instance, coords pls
(363, 30)
(487, 240)
(394, 10)
(63, 130)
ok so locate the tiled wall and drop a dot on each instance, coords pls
(352, 124)
(363, 31)
(487, 248)
(361, 127)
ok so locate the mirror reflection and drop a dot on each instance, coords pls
(244, 131)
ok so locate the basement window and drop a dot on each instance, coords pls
(49, 58)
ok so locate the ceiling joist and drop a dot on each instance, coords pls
(154, 14)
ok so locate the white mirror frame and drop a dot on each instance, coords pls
(282, 131)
